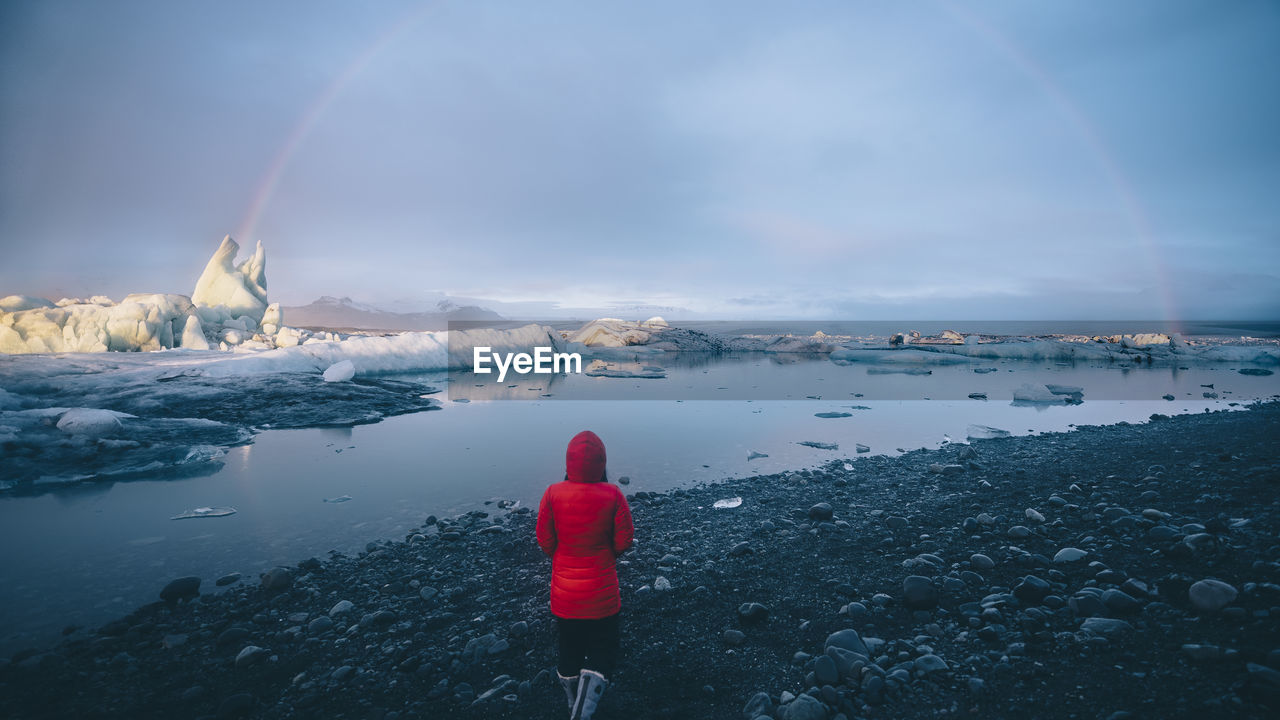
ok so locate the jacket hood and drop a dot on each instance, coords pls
(584, 460)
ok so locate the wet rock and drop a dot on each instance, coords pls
(182, 589)
(1031, 590)
(758, 705)
(1069, 555)
(740, 549)
(378, 619)
(824, 670)
(919, 593)
(1202, 653)
(249, 656)
(804, 707)
(752, 613)
(1118, 602)
(733, 638)
(981, 562)
(320, 625)
(277, 580)
(341, 607)
(821, 512)
(930, 663)
(1211, 595)
(227, 579)
(236, 706)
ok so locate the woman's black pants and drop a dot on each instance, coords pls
(588, 644)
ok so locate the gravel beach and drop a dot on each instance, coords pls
(1128, 571)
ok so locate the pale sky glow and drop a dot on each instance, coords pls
(843, 160)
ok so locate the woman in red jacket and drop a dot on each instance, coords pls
(584, 524)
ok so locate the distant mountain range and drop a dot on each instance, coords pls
(333, 313)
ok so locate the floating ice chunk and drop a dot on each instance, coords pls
(985, 432)
(1064, 389)
(875, 370)
(339, 499)
(15, 303)
(1041, 395)
(205, 512)
(984, 370)
(732, 502)
(832, 415)
(340, 371)
(820, 445)
(754, 455)
(91, 421)
(598, 368)
(226, 291)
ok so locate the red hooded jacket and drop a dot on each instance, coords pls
(584, 524)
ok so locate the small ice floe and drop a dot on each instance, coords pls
(340, 371)
(977, 396)
(339, 499)
(753, 455)
(1042, 395)
(1261, 372)
(461, 400)
(847, 466)
(898, 371)
(859, 407)
(985, 432)
(832, 415)
(599, 368)
(813, 397)
(862, 448)
(984, 370)
(202, 512)
(820, 445)
(1072, 391)
(732, 502)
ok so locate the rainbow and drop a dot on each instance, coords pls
(1088, 136)
(270, 180)
(1065, 106)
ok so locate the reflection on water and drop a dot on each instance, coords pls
(96, 551)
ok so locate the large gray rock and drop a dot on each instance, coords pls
(277, 580)
(1211, 595)
(805, 707)
(846, 640)
(760, 705)
(184, 588)
(919, 593)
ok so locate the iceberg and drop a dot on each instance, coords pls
(226, 291)
(1045, 395)
(612, 332)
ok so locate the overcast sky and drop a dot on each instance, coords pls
(821, 160)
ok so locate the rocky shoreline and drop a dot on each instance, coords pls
(1110, 572)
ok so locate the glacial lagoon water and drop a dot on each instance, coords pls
(85, 554)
